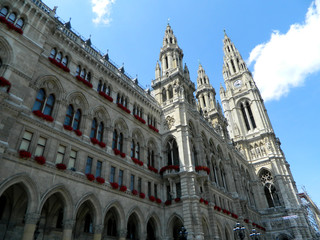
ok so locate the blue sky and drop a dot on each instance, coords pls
(280, 40)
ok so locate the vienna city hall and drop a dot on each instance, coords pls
(86, 153)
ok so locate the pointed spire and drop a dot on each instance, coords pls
(68, 24)
(88, 41)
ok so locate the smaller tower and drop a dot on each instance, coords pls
(207, 104)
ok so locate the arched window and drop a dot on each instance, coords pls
(120, 142)
(99, 86)
(118, 98)
(12, 17)
(100, 132)
(83, 73)
(164, 95)
(244, 115)
(20, 23)
(269, 189)
(108, 91)
(114, 139)
(172, 153)
(104, 88)
(88, 224)
(77, 119)
(4, 12)
(49, 105)
(150, 157)
(65, 61)
(53, 53)
(251, 115)
(93, 128)
(88, 77)
(59, 57)
(40, 99)
(69, 116)
(194, 157)
(170, 92)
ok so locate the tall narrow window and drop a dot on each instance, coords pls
(98, 169)
(173, 153)
(168, 193)
(12, 18)
(49, 105)
(77, 119)
(88, 224)
(93, 128)
(20, 23)
(53, 53)
(59, 222)
(65, 61)
(100, 132)
(120, 142)
(40, 99)
(120, 178)
(88, 165)
(251, 115)
(59, 57)
(133, 146)
(244, 115)
(26, 140)
(139, 185)
(108, 91)
(60, 154)
(4, 12)
(138, 151)
(170, 92)
(164, 95)
(72, 159)
(40, 146)
(112, 174)
(69, 116)
(114, 139)
(149, 189)
(132, 182)
(156, 190)
(99, 86)
(178, 189)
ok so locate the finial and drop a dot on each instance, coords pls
(168, 21)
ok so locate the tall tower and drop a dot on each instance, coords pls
(253, 135)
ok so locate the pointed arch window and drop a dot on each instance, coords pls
(59, 222)
(12, 17)
(112, 226)
(120, 142)
(138, 151)
(99, 88)
(150, 157)
(88, 224)
(4, 12)
(164, 95)
(77, 119)
(170, 92)
(78, 70)
(40, 99)
(133, 147)
(69, 116)
(194, 157)
(65, 61)
(270, 190)
(53, 53)
(172, 153)
(20, 23)
(100, 132)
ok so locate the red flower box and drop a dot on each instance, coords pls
(114, 185)
(102, 144)
(48, 118)
(136, 161)
(234, 215)
(158, 200)
(4, 82)
(40, 160)
(217, 208)
(140, 163)
(116, 151)
(78, 132)
(24, 154)
(10, 25)
(140, 119)
(142, 195)
(225, 211)
(167, 203)
(123, 155)
(153, 169)
(85, 82)
(100, 180)
(206, 202)
(123, 108)
(134, 192)
(246, 220)
(123, 188)
(201, 200)
(203, 168)
(153, 128)
(152, 198)
(106, 96)
(169, 167)
(59, 64)
(67, 127)
(94, 140)
(90, 177)
(38, 113)
(61, 166)
(177, 199)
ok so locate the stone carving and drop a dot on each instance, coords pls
(169, 122)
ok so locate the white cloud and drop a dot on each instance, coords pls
(102, 8)
(287, 59)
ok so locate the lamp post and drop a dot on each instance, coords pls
(239, 232)
(183, 234)
(255, 235)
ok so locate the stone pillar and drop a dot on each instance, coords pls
(97, 232)
(67, 229)
(123, 234)
(31, 220)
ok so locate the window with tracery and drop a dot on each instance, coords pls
(172, 153)
(44, 104)
(270, 190)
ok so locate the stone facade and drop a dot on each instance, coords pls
(86, 153)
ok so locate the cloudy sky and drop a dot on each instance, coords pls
(280, 41)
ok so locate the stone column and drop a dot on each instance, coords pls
(67, 229)
(97, 232)
(31, 220)
(123, 234)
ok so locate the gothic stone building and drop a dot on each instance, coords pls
(86, 153)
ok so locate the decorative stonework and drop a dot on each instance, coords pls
(169, 122)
